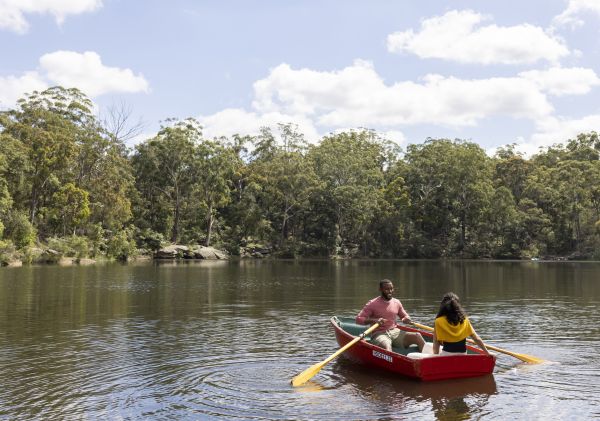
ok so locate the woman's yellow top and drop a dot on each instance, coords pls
(447, 332)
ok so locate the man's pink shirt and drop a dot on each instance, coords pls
(380, 307)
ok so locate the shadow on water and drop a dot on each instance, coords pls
(448, 399)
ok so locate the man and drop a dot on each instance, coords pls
(383, 310)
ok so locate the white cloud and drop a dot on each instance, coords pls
(575, 10)
(357, 97)
(72, 70)
(86, 72)
(553, 130)
(12, 12)
(558, 81)
(458, 36)
(237, 121)
(12, 88)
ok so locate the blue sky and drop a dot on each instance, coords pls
(493, 72)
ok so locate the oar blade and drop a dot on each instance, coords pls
(307, 374)
(530, 359)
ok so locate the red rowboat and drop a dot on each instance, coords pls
(435, 367)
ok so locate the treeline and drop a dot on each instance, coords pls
(68, 182)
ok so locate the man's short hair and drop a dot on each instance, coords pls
(383, 282)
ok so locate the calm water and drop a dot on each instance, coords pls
(221, 340)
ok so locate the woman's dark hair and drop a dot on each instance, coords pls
(451, 308)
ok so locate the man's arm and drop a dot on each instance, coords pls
(403, 315)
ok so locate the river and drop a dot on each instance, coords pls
(221, 340)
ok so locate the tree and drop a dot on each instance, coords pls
(47, 123)
(350, 165)
(450, 190)
(287, 180)
(511, 170)
(214, 166)
(164, 172)
(70, 207)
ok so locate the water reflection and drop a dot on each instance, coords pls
(448, 399)
(221, 340)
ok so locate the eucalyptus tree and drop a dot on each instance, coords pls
(511, 170)
(214, 167)
(287, 182)
(242, 216)
(71, 208)
(565, 186)
(450, 184)
(164, 170)
(53, 140)
(350, 166)
(13, 157)
(47, 123)
(392, 223)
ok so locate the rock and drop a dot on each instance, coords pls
(172, 252)
(195, 252)
(65, 261)
(85, 262)
(256, 251)
(209, 253)
(48, 256)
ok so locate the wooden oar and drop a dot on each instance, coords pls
(310, 372)
(523, 357)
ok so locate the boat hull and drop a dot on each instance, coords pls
(438, 367)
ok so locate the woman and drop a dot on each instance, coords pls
(452, 328)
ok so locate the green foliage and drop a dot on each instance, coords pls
(70, 207)
(95, 234)
(70, 246)
(283, 182)
(7, 251)
(19, 230)
(121, 245)
(350, 167)
(149, 240)
(450, 189)
(164, 168)
(351, 194)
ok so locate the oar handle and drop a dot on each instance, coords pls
(420, 326)
(352, 342)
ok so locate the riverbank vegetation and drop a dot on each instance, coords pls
(69, 184)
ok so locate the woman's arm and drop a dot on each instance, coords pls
(479, 342)
(436, 343)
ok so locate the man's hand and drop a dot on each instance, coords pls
(381, 321)
(407, 321)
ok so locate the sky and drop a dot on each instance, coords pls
(493, 72)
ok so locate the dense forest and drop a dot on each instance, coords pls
(69, 183)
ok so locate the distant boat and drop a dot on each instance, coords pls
(435, 367)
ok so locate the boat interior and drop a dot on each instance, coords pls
(349, 325)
